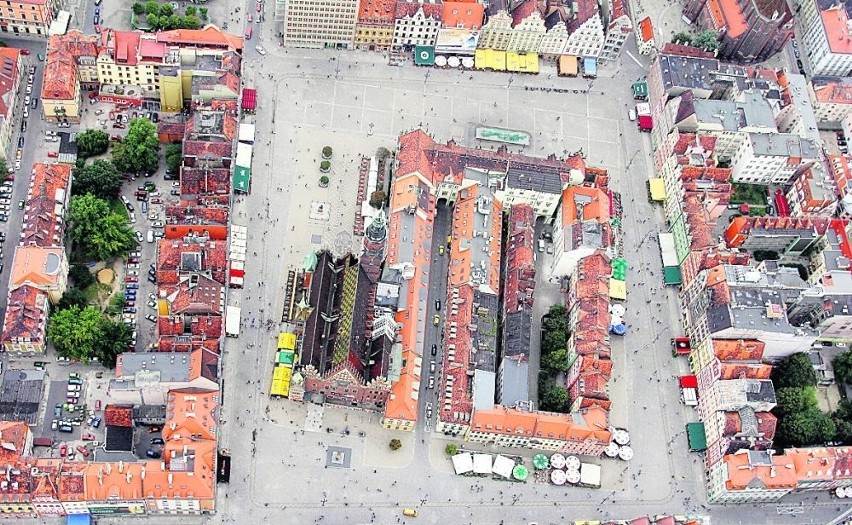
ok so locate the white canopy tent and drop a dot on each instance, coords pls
(463, 463)
(503, 466)
(482, 464)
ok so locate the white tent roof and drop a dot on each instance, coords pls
(463, 463)
(503, 466)
(590, 474)
(482, 463)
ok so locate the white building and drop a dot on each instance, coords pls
(554, 41)
(645, 37)
(316, 24)
(617, 32)
(539, 189)
(772, 158)
(417, 23)
(825, 39)
(588, 38)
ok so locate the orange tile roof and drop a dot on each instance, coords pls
(126, 47)
(835, 21)
(591, 424)
(46, 480)
(412, 155)
(596, 210)
(118, 415)
(465, 221)
(468, 15)
(646, 28)
(113, 481)
(36, 266)
(13, 436)
(210, 36)
(44, 219)
(742, 474)
(832, 91)
(191, 412)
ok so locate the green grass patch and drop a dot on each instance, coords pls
(749, 193)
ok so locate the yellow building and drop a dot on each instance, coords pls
(28, 17)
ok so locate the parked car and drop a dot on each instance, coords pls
(152, 454)
(129, 310)
(151, 430)
(96, 422)
(57, 410)
(83, 450)
(63, 448)
(151, 317)
(54, 424)
(434, 349)
(131, 279)
(74, 388)
(158, 441)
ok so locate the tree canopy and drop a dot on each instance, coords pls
(100, 178)
(91, 142)
(794, 371)
(84, 333)
(174, 155)
(139, 152)
(842, 364)
(81, 276)
(553, 397)
(554, 350)
(707, 40)
(72, 297)
(103, 233)
(683, 38)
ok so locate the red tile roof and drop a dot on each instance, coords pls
(60, 68)
(204, 296)
(431, 9)
(44, 219)
(184, 343)
(13, 436)
(9, 76)
(377, 12)
(527, 8)
(205, 150)
(46, 480)
(204, 181)
(126, 47)
(176, 258)
(646, 29)
(26, 316)
(519, 278)
(455, 409)
(72, 481)
(204, 326)
(467, 15)
(118, 415)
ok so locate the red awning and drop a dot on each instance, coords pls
(682, 345)
(237, 272)
(249, 99)
(689, 381)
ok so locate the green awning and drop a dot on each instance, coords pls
(640, 90)
(424, 56)
(285, 357)
(619, 269)
(242, 179)
(671, 275)
(696, 436)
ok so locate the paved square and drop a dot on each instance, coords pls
(338, 457)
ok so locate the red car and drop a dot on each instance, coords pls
(156, 200)
(25, 51)
(133, 260)
(88, 436)
(97, 404)
(97, 28)
(249, 18)
(258, 7)
(83, 450)
(63, 450)
(131, 279)
(53, 154)
(115, 137)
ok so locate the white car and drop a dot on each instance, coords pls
(29, 88)
(26, 112)
(260, 50)
(17, 165)
(157, 224)
(132, 218)
(27, 100)
(5, 201)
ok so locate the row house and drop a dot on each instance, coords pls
(824, 37)
(416, 23)
(375, 25)
(528, 28)
(12, 71)
(39, 274)
(618, 28)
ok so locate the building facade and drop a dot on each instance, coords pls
(824, 30)
(28, 17)
(416, 24)
(312, 24)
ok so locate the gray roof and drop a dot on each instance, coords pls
(483, 341)
(514, 382)
(484, 384)
(687, 72)
(20, 395)
(754, 111)
(516, 333)
(171, 367)
(783, 145)
(540, 181)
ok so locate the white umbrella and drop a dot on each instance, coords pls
(453, 62)
(573, 476)
(626, 453)
(558, 477)
(611, 450)
(621, 437)
(572, 463)
(467, 62)
(618, 309)
(557, 461)
(440, 60)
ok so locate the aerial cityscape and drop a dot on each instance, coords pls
(426, 261)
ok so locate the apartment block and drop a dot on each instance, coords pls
(581, 228)
(773, 158)
(311, 24)
(812, 193)
(70, 65)
(831, 99)
(750, 476)
(824, 29)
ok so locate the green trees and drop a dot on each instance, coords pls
(174, 155)
(325, 166)
(451, 449)
(163, 16)
(377, 199)
(554, 352)
(552, 397)
(103, 234)
(81, 276)
(326, 152)
(83, 333)
(794, 371)
(91, 142)
(72, 297)
(683, 38)
(139, 152)
(395, 444)
(842, 364)
(707, 40)
(100, 178)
